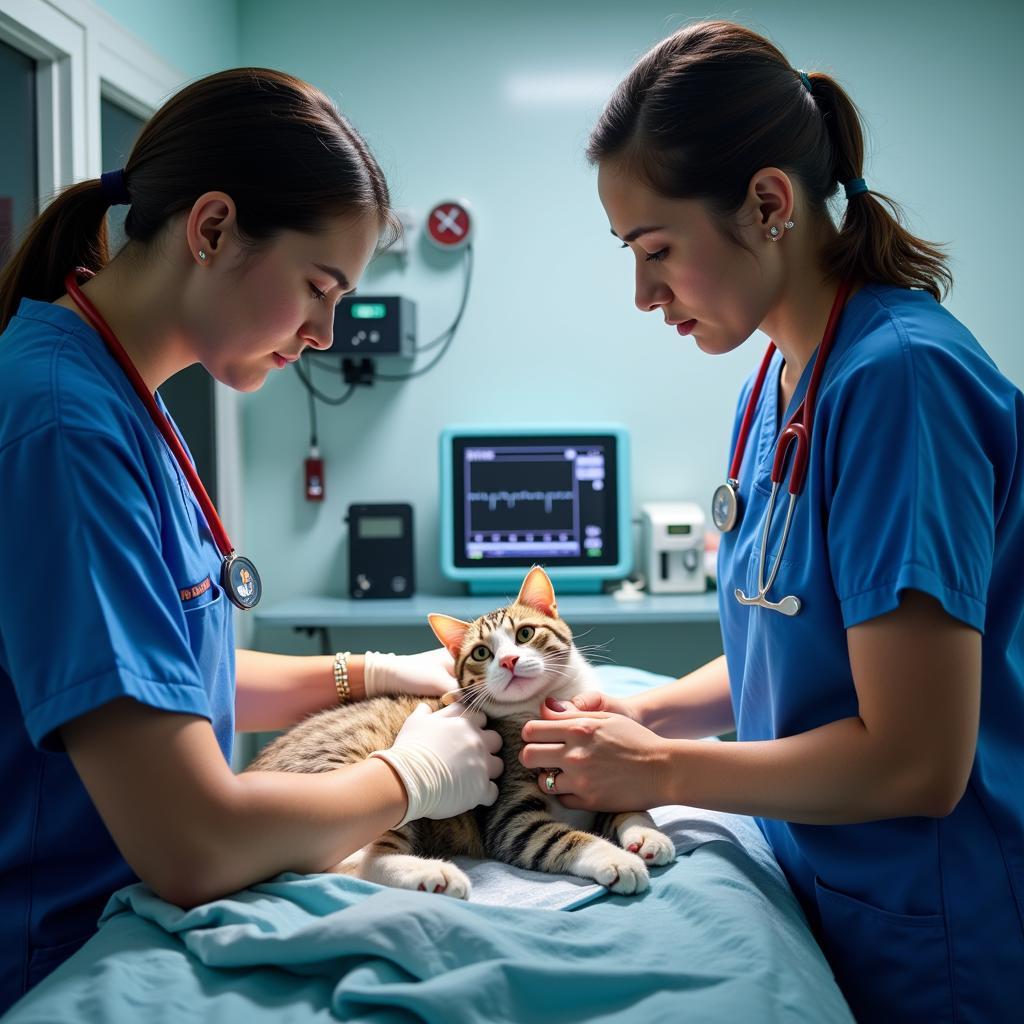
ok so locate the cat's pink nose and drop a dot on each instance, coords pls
(509, 662)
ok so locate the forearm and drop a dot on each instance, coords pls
(836, 774)
(274, 691)
(698, 704)
(264, 823)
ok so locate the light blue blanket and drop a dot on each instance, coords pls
(718, 937)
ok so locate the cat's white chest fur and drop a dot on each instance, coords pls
(575, 819)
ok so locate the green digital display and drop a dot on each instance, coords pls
(675, 529)
(369, 311)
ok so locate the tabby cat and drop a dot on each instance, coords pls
(506, 663)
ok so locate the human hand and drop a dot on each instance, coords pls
(591, 700)
(429, 674)
(446, 761)
(604, 762)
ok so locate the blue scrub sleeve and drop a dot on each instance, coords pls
(88, 609)
(911, 486)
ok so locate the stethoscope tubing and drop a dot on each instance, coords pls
(797, 431)
(239, 578)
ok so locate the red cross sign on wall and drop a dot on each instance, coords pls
(449, 224)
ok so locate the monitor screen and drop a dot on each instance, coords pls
(532, 499)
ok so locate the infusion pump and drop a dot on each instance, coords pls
(673, 544)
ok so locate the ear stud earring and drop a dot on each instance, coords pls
(202, 255)
(773, 231)
(789, 225)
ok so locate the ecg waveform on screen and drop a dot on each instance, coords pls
(512, 498)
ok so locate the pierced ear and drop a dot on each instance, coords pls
(451, 632)
(771, 193)
(538, 593)
(212, 214)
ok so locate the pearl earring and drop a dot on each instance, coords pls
(202, 254)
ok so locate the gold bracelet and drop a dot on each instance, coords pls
(341, 676)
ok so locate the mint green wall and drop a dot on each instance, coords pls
(551, 331)
(197, 36)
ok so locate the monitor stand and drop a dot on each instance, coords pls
(510, 585)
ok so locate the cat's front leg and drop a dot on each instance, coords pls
(389, 861)
(530, 839)
(635, 831)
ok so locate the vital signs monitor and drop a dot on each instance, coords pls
(513, 497)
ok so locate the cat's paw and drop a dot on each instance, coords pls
(618, 870)
(406, 871)
(651, 846)
(438, 876)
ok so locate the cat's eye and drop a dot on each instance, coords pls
(481, 652)
(524, 634)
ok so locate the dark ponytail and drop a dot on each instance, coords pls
(873, 244)
(70, 232)
(275, 144)
(712, 104)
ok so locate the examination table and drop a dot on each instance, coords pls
(719, 936)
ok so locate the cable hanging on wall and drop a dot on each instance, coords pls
(445, 338)
(355, 372)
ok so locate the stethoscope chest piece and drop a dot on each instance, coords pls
(241, 581)
(725, 506)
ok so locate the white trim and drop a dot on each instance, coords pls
(83, 53)
(57, 43)
(121, 68)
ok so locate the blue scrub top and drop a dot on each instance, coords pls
(110, 588)
(915, 481)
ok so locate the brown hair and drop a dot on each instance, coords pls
(275, 144)
(712, 104)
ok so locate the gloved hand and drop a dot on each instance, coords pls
(445, 761)
(425, 675)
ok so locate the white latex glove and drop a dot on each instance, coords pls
(425, 675)
(446, 761)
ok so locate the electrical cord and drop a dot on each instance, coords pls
(312, 421)
(445, 338)
(316, 393)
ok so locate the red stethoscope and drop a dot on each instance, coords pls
(239, 577)
(725, 509)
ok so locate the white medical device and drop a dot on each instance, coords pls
(673, 547)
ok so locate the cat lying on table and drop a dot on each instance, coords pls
(506, 663)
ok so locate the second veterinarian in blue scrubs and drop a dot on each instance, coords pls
(913, 483)
(874, 663)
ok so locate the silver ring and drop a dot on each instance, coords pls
(549, 782)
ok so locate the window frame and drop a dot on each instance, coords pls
(81, 53)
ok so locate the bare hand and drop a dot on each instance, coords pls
(607, 762)
(592, 700)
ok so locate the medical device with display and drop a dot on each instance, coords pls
(673, 533)
(380, 551)
(374, 326)
(553, 496)
(725, 509)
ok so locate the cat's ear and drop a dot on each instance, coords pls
(451, 632)
(538, 593)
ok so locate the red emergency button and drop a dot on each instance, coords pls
(449, 224)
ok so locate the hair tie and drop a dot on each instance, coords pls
(805, 80)
(115, 188)
(855, 187)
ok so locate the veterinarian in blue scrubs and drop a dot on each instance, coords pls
(120, 686)
(874, 638)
